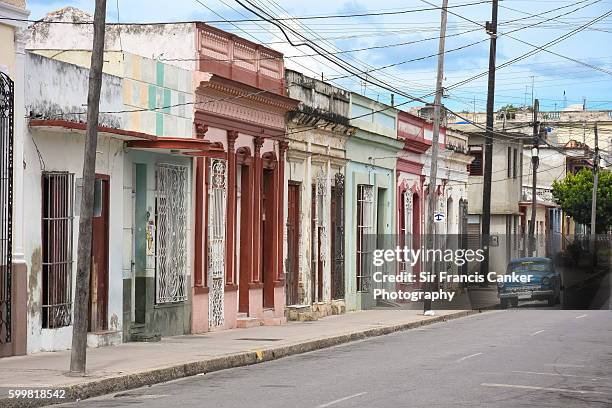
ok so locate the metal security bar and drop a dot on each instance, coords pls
(338, 239)
(406, 231)
(217, 214)
(6, 203)
(57, 260)
(365, 228)
(171, 238)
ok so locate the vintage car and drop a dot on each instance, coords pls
(543, 282)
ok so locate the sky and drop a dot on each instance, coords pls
(409, 41)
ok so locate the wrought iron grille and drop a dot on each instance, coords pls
(318, 235)
(6, 203)
(57, 257)
(406, 233)
(171, 238)
(365, 229)
(338, 239)
(217, 214)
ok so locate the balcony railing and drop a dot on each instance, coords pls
(232, 57)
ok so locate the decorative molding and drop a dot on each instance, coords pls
(201, 130)
(258, 143)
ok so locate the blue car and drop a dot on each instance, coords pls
(543, 282)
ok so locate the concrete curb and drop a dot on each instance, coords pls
(131, 381)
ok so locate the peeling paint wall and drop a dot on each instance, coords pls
(315, 157)
(63, 151)
(58, 91)
(157, 96)
(16, 3)
(177, 41)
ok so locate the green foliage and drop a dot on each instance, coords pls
(574, 195)
(510, 108)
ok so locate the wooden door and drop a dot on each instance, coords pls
(293, 240)
(267, 240)
(98, 300)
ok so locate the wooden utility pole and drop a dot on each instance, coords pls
(81, 296)
(433, 174)
(595, 182)
(488, 151)
(534, 172)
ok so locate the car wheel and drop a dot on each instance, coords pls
(503, 303)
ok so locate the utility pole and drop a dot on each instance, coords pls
(488, 153)
(594, 200)
(78, 355)
(433, 174)
(534, 170)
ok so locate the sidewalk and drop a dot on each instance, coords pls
(132, 365)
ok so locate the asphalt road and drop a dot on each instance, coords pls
(514, 358)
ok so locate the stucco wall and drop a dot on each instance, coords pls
(168, 319)
(158, 97)
(16, 3)
(176, 41)
(373, 116)
(7, 51)
(383, 181)
(58, 91)
(507, 191)
(63, 151)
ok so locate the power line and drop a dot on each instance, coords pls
(315, 17)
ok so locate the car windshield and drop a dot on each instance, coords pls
(525, 267)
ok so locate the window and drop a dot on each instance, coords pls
(514, 159)
(509, 168)
(475, 168)
(171, 239)
(473, 231)
(365, 221)
(405, 233)
(57, 223)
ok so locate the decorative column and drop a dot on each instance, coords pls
(18, 143)
(256, 238)
(282, 149)
(230, 234)
(199, 277)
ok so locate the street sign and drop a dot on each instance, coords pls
(439, 217)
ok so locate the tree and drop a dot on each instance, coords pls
(574, 195)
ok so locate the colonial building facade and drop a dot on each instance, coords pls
(317, 133)
(370, 194)
(13, 267)
(202, 239)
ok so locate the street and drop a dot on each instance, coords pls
(518, 357)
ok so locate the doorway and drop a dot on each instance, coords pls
(267, 233)
(293, 241)
(98, 284)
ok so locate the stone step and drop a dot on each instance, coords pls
(246, 322)
(146, 337)
(241, 315)
(309, 316)
(274, 321)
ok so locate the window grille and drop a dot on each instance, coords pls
(338, 239)
(365, 229)
(406, 226)
(217, 214)
(57, 256)
(475, 168)
(6, 204)
(171, 238)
